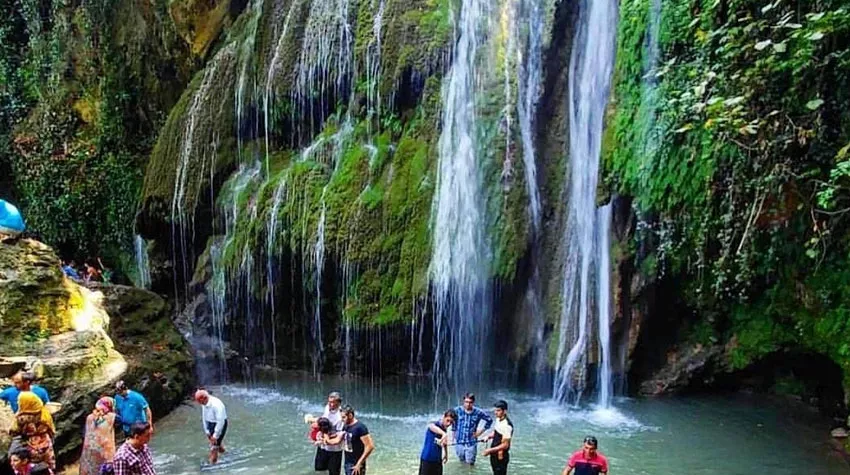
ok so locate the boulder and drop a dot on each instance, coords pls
(81, 341)
(682, 367)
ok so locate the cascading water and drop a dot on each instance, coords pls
(591, 67)
(271, 73)
(461, 248)
(182, 219)
(603, 303)
(142, 262)
(326, 61)
(529, 53)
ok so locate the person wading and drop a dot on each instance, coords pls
(214, 419)
(357, 443)
(329, 455)
(469, 418)
(588, 460)
(503, 430)
(434, 453)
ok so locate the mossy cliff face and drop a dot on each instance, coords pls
(307, 149)
(82, 341)
(729, 129)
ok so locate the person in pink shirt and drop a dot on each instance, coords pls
(588, 460)
(19, 457)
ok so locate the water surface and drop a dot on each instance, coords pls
(692, 436)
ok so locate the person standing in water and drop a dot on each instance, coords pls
(434, 453)
(588, 460)
(469, 418)
(214, 420)
(357, 443)
(329, 452)
(503, 430)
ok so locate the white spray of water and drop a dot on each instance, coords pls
(142, 262)
(591, 67)
(461, 248)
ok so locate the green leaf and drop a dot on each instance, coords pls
(762, 45)
(780, 47)
(816, 36)
(814, 104)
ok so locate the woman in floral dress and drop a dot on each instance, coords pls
(99, 441)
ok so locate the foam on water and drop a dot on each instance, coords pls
(610, 420)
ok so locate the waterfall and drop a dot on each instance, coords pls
(459, 269)
(591, 67)
(373, 63)
(182, 219)
(326, 60)
(272, 249)
(142, 262)
(316, 326)
(246, 54)
(603, 303)
(529, 55)
(271, 73)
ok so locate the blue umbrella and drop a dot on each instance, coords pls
(11, 221)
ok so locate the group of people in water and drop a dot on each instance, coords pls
(343, 443)
(33, 431)
(338, 431)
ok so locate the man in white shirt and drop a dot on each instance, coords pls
(329, 456)
(214, 419)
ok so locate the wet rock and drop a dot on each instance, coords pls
(81, 341)
(683, 366)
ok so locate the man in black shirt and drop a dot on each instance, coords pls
(503, 431)
(357, 443)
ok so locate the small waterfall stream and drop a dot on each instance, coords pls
(461, 248)
(142, 262)
(591, 67)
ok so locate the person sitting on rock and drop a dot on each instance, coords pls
(22, 382)
(69, 270)
(33, 424)
(131, 407)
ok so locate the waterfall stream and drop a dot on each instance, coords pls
(591, 67)
(142, 262)
(461, 248)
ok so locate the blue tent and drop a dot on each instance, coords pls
(11, 221)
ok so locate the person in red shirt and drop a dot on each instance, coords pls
(587, 461)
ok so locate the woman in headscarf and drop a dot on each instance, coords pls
(34, 425)
(99, 441)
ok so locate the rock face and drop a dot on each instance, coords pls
(36, 301)
(83, 340)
